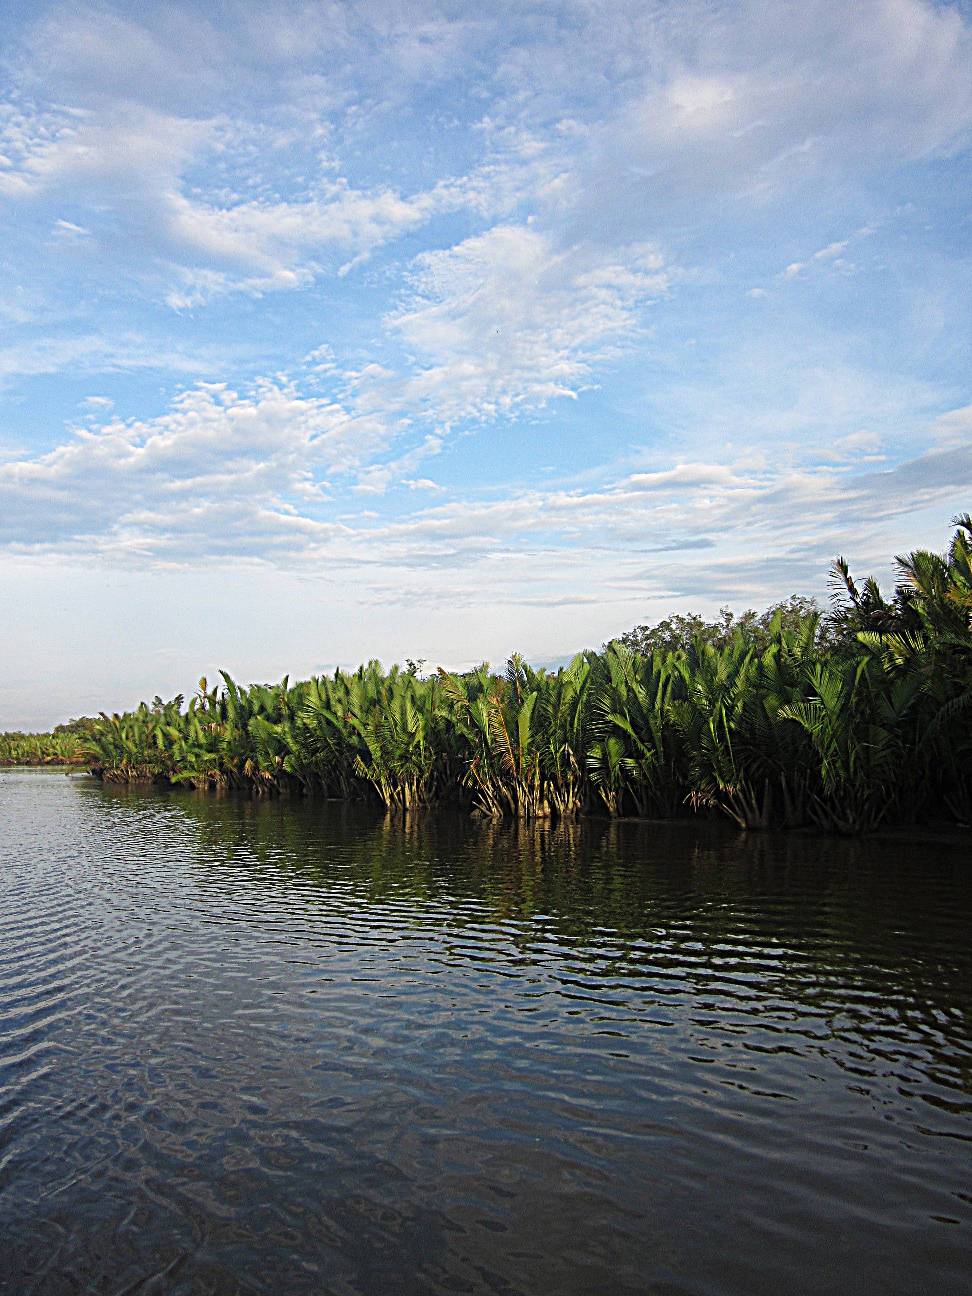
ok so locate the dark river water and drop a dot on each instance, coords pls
(276, 1048)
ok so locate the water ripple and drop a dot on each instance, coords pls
(287, 1048)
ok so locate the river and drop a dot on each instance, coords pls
(266, 1047)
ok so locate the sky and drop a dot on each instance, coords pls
(331, 331)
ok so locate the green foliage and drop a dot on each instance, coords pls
(785, 719)
(64, 746)
(685, 630)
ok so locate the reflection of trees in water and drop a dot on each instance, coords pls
(885, 917)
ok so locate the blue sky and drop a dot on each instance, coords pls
(330, 331)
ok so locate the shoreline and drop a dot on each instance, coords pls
(939, 831)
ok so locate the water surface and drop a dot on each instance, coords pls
(290, 1048)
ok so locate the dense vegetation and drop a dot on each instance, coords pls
(844, 721)
(68, 744)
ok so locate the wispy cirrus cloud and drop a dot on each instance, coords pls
(47, 354)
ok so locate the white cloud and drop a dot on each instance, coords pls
(509, 319)
(157, 133)
(219, 471)
(139, 160)
(830, 251)
(706, 102)
(279, 245)
(95, 353)
(746, 104)
(684, 476)
(859, 447)
(952, 429)
(825, 258)
(85, 152)
(244, 474)
(68, 229)
(376, 478)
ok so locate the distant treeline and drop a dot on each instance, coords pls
(845, 721)
(67, 745)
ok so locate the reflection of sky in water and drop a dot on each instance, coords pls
(270, 1047)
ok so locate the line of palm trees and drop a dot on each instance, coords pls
(58, 748)
(843, 722)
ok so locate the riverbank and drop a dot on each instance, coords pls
(847, 722)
